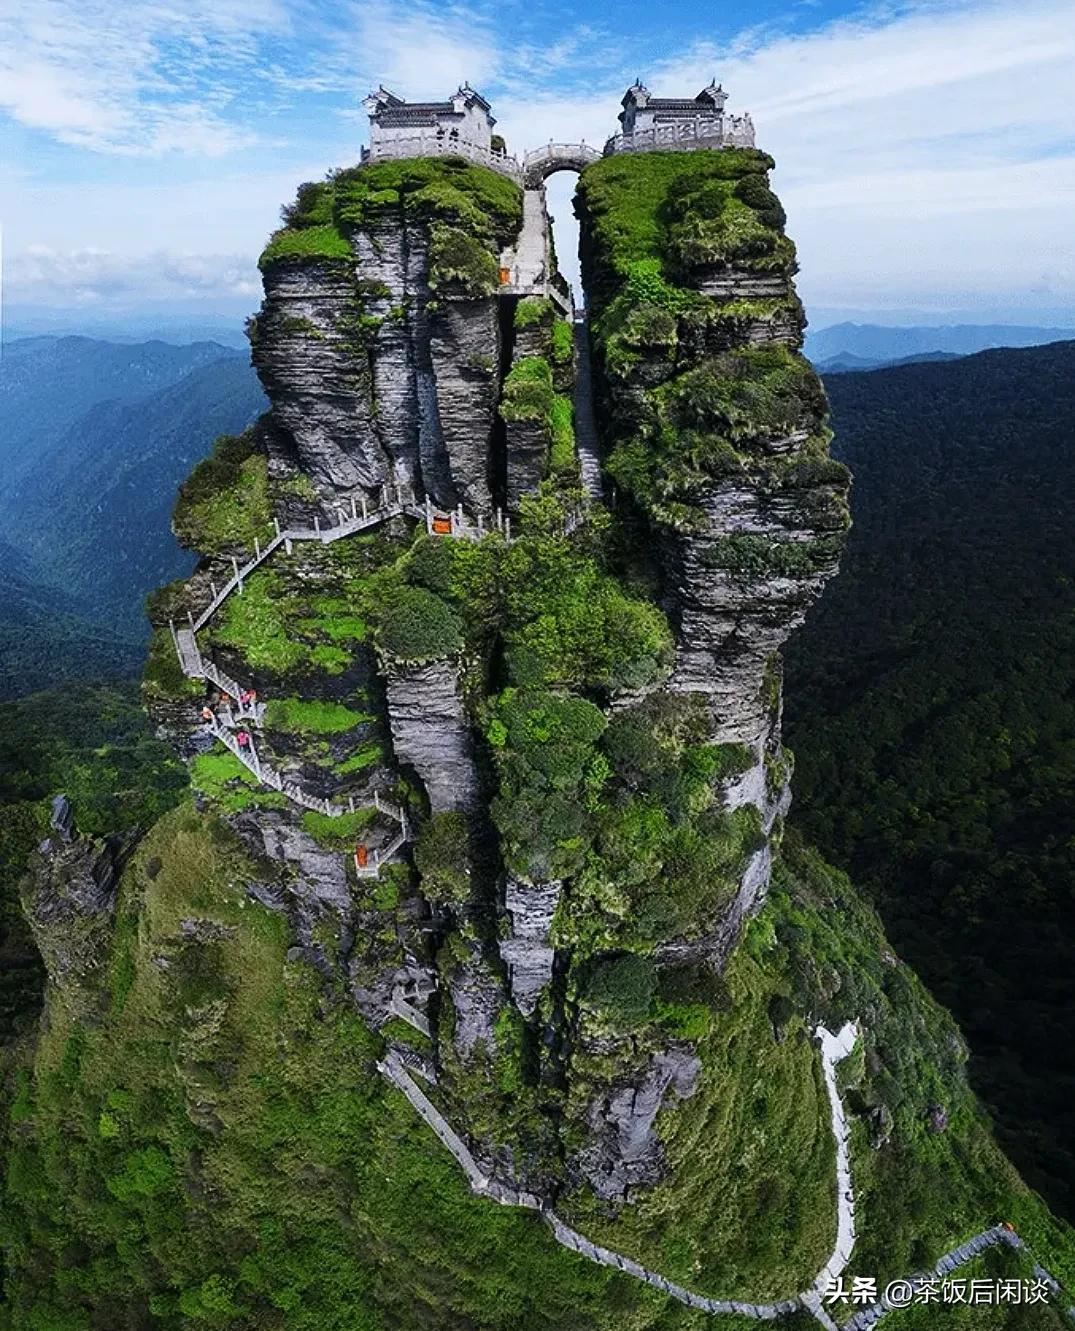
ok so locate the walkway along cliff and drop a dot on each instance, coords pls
(479, 682)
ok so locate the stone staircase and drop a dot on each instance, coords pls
(531, 271)
(833, 1047)
(965, 1252)
(585, 427)
(226, 719)
(349, 524)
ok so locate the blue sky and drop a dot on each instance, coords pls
(925, 151)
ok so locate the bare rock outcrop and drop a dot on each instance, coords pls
(310, 354)
(69, 897)
(477, 996)
(527, 953)
(624, 1151)
(527, 459)
(465, 357)
(431, 731)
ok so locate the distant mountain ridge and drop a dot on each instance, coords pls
(846, 363)
(44, 639)
(47, 383)
(94, 515)
(877, 343)
(94, 438)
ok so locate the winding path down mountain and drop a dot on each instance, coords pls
(834, 1048)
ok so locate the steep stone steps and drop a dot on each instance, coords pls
(585, 426)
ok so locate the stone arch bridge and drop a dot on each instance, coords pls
(544, 162)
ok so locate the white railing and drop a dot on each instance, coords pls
(558, 152)
(521, 285)
(732, 132)
(834, 1048)
(432, 144)
(268, 776)
(454, 522)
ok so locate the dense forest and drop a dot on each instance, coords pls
(932, 712)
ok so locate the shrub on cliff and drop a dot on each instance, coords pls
(623, 989)
(224, 502)
(628, 198)
(415, 625)
(570, 622)
(533, 310)
(441, 855)
(544, 749)
(459, 264)
(528, 392)
(448, 191)
(309, 242)
(756, 193)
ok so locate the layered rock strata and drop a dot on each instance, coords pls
(746, 510)
(527, 952)
(431, 732)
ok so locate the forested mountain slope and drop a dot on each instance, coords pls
(48, 383)
(91, 499)
(46, 638)
(931, 705)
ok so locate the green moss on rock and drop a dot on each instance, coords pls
(324, 241)
(224, 505)
(416, 625)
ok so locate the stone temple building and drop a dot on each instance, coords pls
(660, 122)
(462, 123)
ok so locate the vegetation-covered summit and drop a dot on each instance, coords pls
(472, 210)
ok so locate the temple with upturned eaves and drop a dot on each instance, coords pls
(650, 122)
(462, 125)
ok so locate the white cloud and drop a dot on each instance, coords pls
(421, 50)
(921, 150)
(95, 279)
(144, 77)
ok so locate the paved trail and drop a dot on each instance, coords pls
(834, 1048)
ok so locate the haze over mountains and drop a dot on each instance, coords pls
(96, 434)
(94, 437)
(848, 346)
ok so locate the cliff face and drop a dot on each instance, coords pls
(69, 897)
(716, 431)
(488, 779)
(615, 770)
(378, 340)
